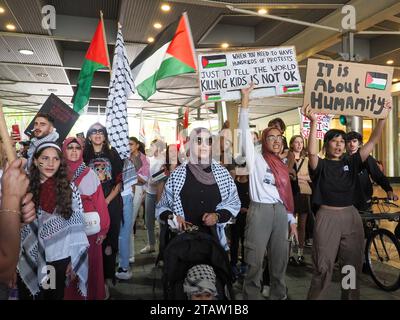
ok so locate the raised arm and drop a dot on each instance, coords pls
(367, 148)
(246, 140)
(312, 139)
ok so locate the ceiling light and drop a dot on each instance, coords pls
(2, 10)
(225, 45)
(157, 25)
(25, 51)
(262, 11)
(42, 75)
(10, 27)
(390, 61)
(395, 80)
(150, 39)
(165, 7)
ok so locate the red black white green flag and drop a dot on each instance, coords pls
(171, 54)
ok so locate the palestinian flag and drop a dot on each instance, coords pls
(171, 54)
(215, 61)
(186, 118)
(96, 58)
(212, 96)
(291, 88)
(376, 80)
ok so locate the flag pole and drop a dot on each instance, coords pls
(11, 156)
(105, 40)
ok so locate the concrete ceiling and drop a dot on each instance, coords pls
(26, 81)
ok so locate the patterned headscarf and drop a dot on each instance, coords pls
(200, 279)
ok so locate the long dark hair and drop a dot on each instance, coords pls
(88, 151)
(141, 144)
(63, 189)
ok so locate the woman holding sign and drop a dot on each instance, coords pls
(338, 230)
(271, 209)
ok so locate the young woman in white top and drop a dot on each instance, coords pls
(271, 208)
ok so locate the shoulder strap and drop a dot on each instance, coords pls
(297, 169)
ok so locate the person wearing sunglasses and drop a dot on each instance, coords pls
(200, 191)
(271, 208)
(106, 163)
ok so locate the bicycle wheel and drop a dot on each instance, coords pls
(383, 259)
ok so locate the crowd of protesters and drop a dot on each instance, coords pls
(73, 213)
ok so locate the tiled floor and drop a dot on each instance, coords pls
(146, 281)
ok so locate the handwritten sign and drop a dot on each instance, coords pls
(273, 71)
(323, 125)
(63, 115)
(347, 88)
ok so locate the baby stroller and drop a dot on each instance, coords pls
(188, 249)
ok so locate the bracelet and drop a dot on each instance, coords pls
(11, 211)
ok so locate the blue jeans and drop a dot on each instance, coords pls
(125, 233)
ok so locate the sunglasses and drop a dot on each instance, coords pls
(206, 141)
(97, 131)
(74, 148)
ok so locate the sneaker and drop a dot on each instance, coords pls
(308, 243)
(265, 292)
(123, 274)
(293, 261)
(301, 260)
(147, 249)
(132, 260)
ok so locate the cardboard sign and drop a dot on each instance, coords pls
(347, 88)
(273, 71)
(323, 125)
(64, 116)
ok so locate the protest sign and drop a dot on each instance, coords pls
(273, 71)
(64, 116)
(347, 88)
(323, 125)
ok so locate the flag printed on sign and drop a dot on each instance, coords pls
(291, 88)
(171, 54)
(215, 61)
(376, 80)
(212, 96)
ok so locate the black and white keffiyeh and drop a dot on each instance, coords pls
(171, 200)
(200, 279)
(121, 86)
(51, 137)
(50, 235)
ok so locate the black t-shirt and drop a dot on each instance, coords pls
(108, 169)
(335, 181)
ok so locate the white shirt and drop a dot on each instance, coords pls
(155, 166)
(261, 179)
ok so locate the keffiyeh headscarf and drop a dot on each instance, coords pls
(200, 279)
